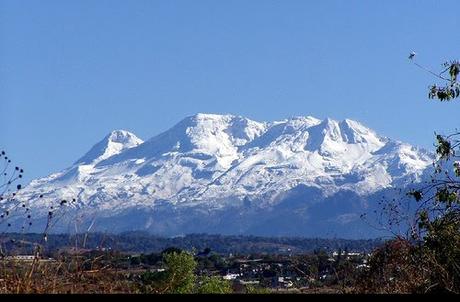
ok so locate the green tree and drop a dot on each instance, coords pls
(215, 285)
(178, 277)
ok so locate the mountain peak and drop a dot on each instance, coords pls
(113, 143)
(206, 117)
(298, 121)
(211, 116)
(123, 137)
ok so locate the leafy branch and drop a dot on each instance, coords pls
(450, 89)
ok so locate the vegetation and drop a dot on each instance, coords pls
(179, 272)
(214, 285)
(9, 187)
(177, 278)
(450, 88)
(428, 258)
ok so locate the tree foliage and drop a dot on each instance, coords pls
(214, 285)
(178, 277)
(450, 87)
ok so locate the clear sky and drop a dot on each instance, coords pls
(72, 71)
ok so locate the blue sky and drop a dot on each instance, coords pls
(72, 71)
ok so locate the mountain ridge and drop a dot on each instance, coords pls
(228, 164)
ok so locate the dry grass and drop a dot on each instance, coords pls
(52, 277)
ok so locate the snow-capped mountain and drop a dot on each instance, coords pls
(229, 174)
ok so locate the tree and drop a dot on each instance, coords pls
(438, 216)
(427, 257)
(214, 285)
(178, 277)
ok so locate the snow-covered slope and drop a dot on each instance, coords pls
(210, 166)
